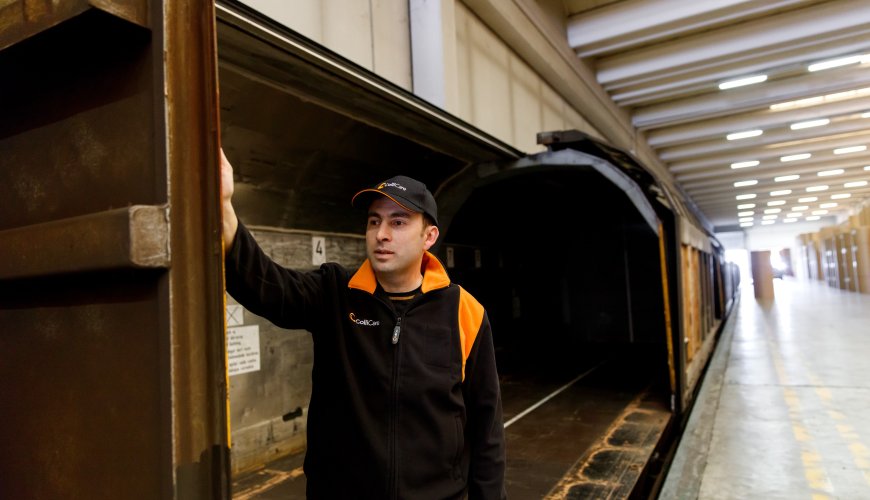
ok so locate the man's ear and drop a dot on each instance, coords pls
(431, 237)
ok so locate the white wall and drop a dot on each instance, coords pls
(782, 235)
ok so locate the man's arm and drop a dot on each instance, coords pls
(485, 428)
(230, 221)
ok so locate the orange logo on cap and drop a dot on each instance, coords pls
(382, 185)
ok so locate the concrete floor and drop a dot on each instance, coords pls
(784, 410)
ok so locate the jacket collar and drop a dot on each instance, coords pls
(434, 276)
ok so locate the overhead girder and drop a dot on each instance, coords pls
(649, 21)
(691, 81)
(838, 126)
(809, 23)
(821, 150)
(764, 119)
(727, 176)
(752, 97)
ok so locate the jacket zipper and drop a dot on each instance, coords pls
(394, 410)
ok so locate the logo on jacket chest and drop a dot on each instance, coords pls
(364, 322)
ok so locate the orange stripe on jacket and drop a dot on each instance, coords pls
(470, 320)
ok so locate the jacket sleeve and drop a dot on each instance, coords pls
(287, 298)
(485, 428)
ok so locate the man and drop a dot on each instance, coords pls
(405, 398)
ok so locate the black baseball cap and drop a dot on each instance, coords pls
(409, 193)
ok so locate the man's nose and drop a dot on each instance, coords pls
(384, 232)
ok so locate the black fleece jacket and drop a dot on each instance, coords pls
(401, 407)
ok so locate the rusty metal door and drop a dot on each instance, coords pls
(112, 369)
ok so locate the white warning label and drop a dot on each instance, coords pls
(243, 349)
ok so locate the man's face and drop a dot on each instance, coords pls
(396, 238)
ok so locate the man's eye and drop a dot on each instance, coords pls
(373, 222)
(399, 222)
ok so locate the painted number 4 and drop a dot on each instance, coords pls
(318, 250)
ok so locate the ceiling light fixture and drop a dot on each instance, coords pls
(799, 208)
(801, 156)
(745, 183)
(813, 217)
(840, 196)
(810, 124)
(745, 214)
(746, 196)
(816, 188)
(812, 101)
(781, 192)
(836, 63)
(826, 173)
(865, 115)
(746, 219)
(772, 210)
(741, 82)
(767, 222)
(827, 205)
(855, 184)
(744, 135)
(819, 212)
(744, 164)
(867, 167)
(770, 217)
(745, 206)
(808, 199)
(784, 178)
(746, 224)
(850, 149)
(789, 220)
(793, 215)
(775, 203)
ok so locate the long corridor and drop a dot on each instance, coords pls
(784, 411)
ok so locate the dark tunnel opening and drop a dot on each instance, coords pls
(568, 271)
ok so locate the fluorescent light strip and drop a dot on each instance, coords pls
(810, 124)
(816, 188)
(786, 178)
(867, 167)
(827, 205)
(813, 217)
(767, 222)
(745, 183)
(770, 217)
(836, 63)
(801, 156)
(775, 203)
(812, 101)
(855, 184)
(840, 196)
(789, 220)
(800, 208)
(746, 196)
(808, 199)
(850, 149)
(742, 82)
(865, 115)
(745, 214)
(744, 135)
(793, 215)
(773, 210)
(746, 219)
(746, 224)
(781, 192)
(745, 206)
(819, 212)
(744, 164)
(828, 173)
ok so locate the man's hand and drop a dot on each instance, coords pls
(230, 222)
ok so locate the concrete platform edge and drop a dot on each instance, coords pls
(686, 471)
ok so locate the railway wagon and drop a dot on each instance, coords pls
(114, 371)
